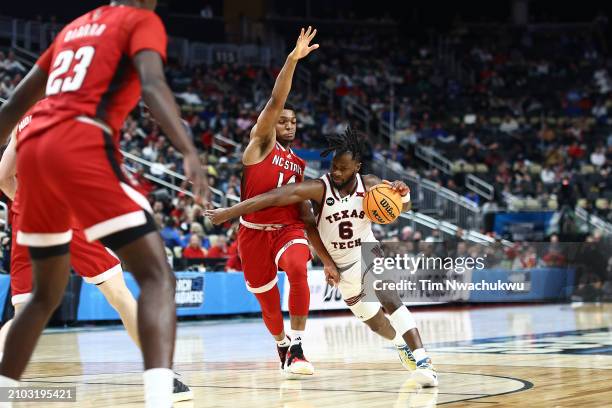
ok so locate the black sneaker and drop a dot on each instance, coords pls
(181, 392)
(296, 363)
(282, 353)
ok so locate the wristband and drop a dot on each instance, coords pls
(406, 198)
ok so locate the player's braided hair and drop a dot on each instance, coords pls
(347, 142)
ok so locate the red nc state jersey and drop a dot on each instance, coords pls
(279, 168)
(24, 123)
(90, 68)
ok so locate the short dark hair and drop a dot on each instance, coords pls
(289, 106)
(348, 142)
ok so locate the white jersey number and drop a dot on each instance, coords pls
(83, 56)
(281, 178)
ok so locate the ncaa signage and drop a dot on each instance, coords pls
(322, 296)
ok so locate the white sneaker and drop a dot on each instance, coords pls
(425, 374)
(406, 358)
(296, 365)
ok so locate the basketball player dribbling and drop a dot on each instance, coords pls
(274, 238)
(69, 167)
(342, 227)
(97, 265)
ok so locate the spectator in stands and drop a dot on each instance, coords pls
(508, 125)
(598, 157)
(196, 229)
(194, 249)
(171, 234)
(11, 65)
(189, 97)
(218, 248)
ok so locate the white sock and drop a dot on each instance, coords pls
(296, 336)
(398, 340)
(158, 385)
(284, 342)
(419, 354)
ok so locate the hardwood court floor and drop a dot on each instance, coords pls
(524, 356)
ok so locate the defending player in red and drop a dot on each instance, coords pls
(341, 229)
(97, 265)
(274, 238)
(69, 168)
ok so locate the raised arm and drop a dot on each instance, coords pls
(290, 194)
(8, 164)
(371, 180)
(160, 100)
(263, 133)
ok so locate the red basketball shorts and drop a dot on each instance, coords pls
(260, 251)
(72, 172)
(90, 260)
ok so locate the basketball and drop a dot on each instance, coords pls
(382, 204)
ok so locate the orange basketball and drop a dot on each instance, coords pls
(382, 205)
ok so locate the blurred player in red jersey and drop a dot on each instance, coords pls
(69, 169)
(96, 264)
(274, 238)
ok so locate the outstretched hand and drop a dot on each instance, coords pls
(302, 46)
(399, 186)
(218, 215)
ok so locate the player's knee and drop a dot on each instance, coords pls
(48, 297)
(377, 323)
(120, 298)
(389, 300)
(364, 311)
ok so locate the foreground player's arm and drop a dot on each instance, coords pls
(8, 164)
(160, 100)
(310, 225)
(371, 180)
(263, 134)
(279, 197)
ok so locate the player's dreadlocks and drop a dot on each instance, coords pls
(347, 142)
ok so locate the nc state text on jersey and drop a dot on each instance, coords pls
(286, 164)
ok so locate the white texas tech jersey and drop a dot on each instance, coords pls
(342, 223)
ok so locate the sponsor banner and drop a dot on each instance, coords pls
(523, 226)
(197, 294)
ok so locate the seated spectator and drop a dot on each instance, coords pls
(218, 248)
(171, 234)
(508, 125)
(194, 249)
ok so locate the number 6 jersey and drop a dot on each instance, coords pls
(342, 223)
(280, 167)
(90, 69)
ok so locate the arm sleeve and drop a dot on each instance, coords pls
(44, 61)
(148, 34)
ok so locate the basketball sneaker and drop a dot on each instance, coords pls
(282, 353)
(296, 364)
(425, 374)
(181, 392)
(406, 357)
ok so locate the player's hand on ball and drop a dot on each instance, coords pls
(217, 216)
(399, 186)
(332, 276)
(302, 46)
